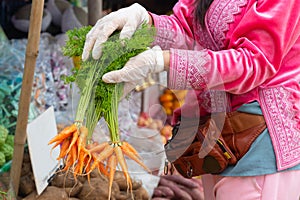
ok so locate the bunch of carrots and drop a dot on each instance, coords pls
(80, 154)
(82, 158)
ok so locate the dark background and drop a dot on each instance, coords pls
(9, 7)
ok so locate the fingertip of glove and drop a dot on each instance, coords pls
(96, 54)
(126, 33)
(84, 56)
(106, 78)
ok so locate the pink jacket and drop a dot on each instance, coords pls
(251, 50)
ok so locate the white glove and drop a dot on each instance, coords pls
(137, 69)
(128, 20)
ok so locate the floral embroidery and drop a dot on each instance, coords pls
(218, 18)
(280, 116)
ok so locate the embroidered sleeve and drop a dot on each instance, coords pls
(254, 54)
(174, 31)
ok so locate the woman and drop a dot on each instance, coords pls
(246, 48)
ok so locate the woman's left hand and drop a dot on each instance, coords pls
(138, 67)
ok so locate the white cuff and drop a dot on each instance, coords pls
(159, 59)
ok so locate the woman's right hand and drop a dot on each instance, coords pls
(128, 20)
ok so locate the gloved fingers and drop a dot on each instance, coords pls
(182, 181)
(103, 28)
(163, 191)
(129, 29)
(89, 43)
(129, 86)
(103, 36)
(116, 76)
(135, 69)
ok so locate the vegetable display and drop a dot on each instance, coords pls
(6, 145)
(80, 153)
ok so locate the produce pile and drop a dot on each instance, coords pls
(63, 185)
(6, 146)
(171, 100)
(80, 154)
(146, 121)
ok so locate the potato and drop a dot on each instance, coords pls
(123, 195)
(141, 194)
(52, 193)
(95, 174)
(26, 168)
(97, 189)
(63, 180)
(119, 178)
(26, 185)
(32, 196)
(74, 191)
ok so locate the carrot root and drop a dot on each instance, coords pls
(112, 164)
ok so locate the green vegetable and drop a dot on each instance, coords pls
(7, 150)
(2, 159)
(99, 99)
(3, 134)
(76, 38)
(10, 140)
(107, 96)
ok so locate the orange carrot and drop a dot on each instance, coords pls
(54, 146)
(107, 151)
(74, 157)
(81, 142)
(134, 157)
(91, 145)
(112, 164)
(68, 162)
(63, 149)
(73, 141)
(98, 148)
(87, 171)
(66, 132)
(80, 163)
(128, 147)
(122, 162)
(102, 169)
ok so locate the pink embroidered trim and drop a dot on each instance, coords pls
(214, 101)
(218, 18)
(204, 38)
(280, 117)
(165, 35)
(188, 69)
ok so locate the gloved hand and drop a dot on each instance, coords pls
(126, 19)
(177, 187)
(137, 69)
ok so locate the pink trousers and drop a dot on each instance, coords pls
(279, 186)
